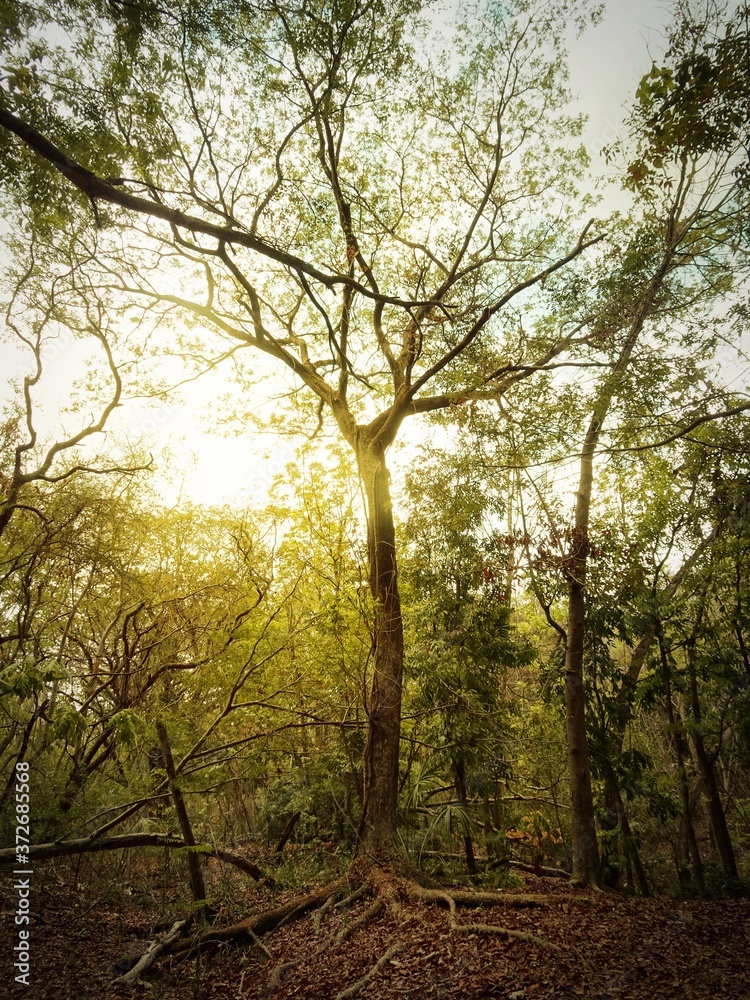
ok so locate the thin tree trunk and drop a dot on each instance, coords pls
(715, 806)
(688, 841)
(583, 826)
(460, 772)
(288, 831)
(630, 848)
(8, 506)
(21, 755)
(583, 823)
(197, 886)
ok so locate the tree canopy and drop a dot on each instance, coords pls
(389, 214)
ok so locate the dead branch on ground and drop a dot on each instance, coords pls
(153, 951)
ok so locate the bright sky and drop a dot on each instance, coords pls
(207, 466)
(608, 61)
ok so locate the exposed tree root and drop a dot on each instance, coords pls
(262, 923)
(506, 932)
(515, 900)
(321, 912)
(496, 929)
(354, 989)
(359, 893)
(390, 890)
(349, 900)
(370, 913)
(259, 944)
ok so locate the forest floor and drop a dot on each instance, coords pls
(90, 915)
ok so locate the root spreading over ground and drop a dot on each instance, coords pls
(379, 933)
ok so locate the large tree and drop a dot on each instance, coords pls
(340, 187)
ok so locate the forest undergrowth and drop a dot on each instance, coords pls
(94, 917)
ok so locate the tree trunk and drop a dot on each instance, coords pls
(459, 769)
(583, 827)
(583, 824)
(688, 844)
(715, 808)
(715, 805)
(629, 846)
(8, 506)
(377, 831)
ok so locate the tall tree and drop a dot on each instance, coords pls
(304, 180)
(686, 251)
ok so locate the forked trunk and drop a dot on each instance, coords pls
(377, 832)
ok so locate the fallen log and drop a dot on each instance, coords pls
(89, 845)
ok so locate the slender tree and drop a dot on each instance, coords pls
(687, 250)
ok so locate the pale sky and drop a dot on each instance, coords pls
(607, 63)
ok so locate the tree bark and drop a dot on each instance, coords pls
(583, 827)
(288, 831)
(92, 845)
(716, 814)
(377, 831)
(715, 806)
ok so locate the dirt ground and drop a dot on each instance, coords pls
(90, 916)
